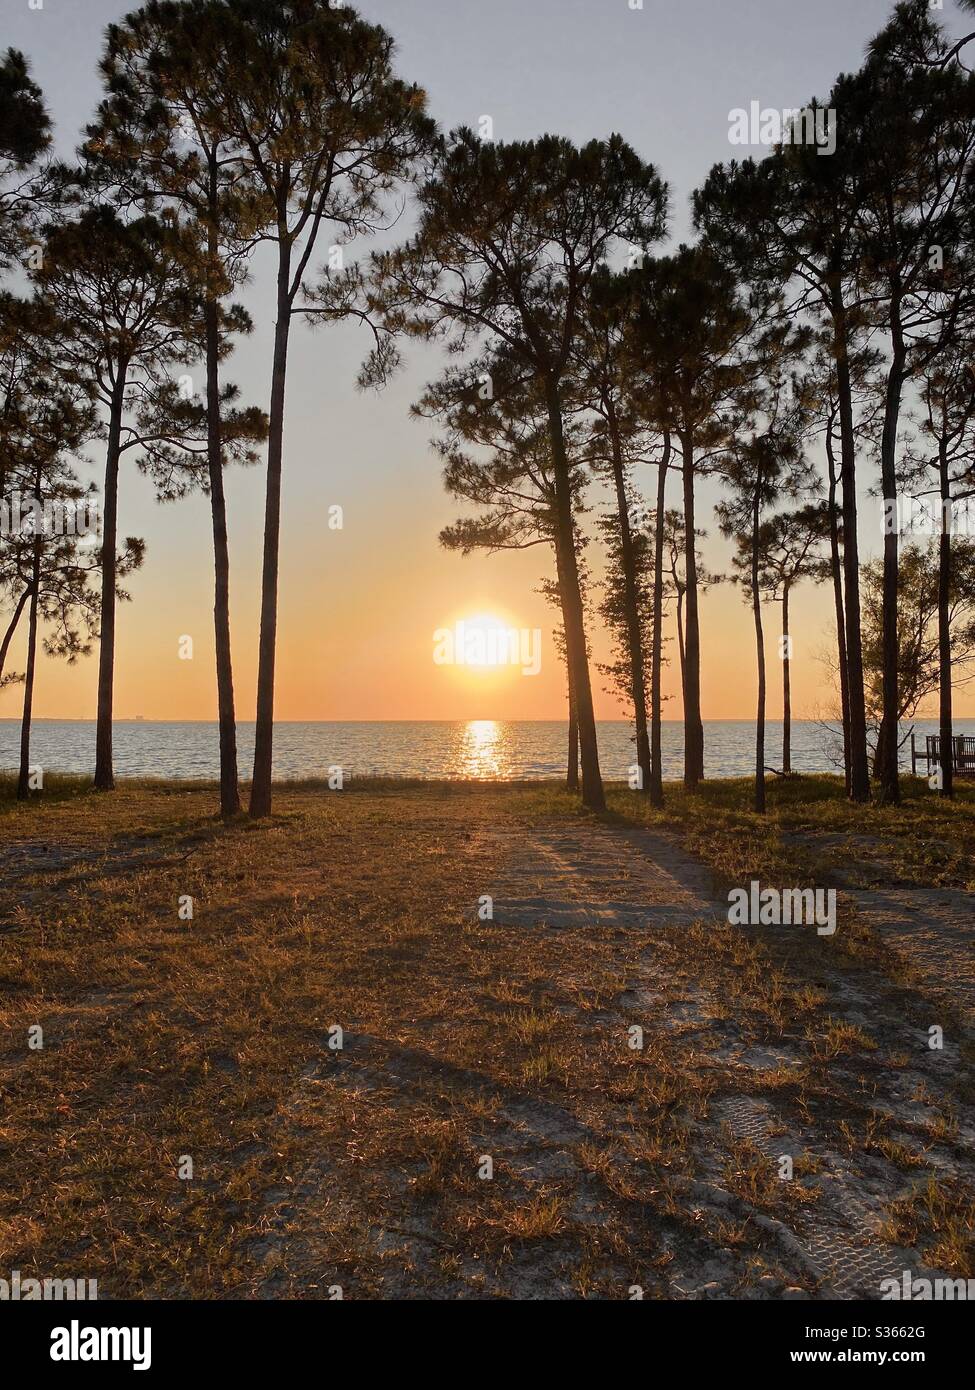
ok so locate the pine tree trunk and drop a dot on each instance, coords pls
(656, 658)
(229, 791)
(12, 628)
(859, 764)
(631, 603)
(593, 795)
(572, 769)
(680, 634)
(693, 724)
(944, 631)
(760, 653)
(104, 770)
(836, 568)
(23, 781)
(260, 802)
(786, 686)
(889, 725)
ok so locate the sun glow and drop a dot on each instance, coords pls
(485, 642)
(488, 642)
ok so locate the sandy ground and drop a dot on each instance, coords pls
(562, 1073)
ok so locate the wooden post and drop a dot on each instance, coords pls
(913, 756)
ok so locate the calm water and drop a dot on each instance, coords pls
(481, 749)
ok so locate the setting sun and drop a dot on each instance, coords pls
(484, 642)
(487, 637)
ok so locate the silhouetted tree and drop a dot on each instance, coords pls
(25, 135)
(604, 382)
(54, 565)
(625, 600)
(509, 239)
(918, 661)
(821, 391)
(675, 579)
(43, 556)
(793, 219)
(913, 124)
(690, 328)
(16, 359)
(656, 632)
(304, 96)
(496, 452)
(155, 142)
(125, 311)
(550, 589)
(764, 461)
(790, 546)
(946, 449)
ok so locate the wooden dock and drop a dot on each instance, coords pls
(962, 754)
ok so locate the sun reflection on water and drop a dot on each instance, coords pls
(483, 750)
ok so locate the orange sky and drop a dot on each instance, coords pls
(356, 634)
(358, 607)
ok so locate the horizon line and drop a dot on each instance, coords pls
(481, 719)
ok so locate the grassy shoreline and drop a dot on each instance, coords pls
(314, 1168)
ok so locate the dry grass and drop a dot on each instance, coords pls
(361, 1168)
(165, 1038)
(941, 1220)
(811, 827)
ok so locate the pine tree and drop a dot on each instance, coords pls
(509, 239)
(764, 460)
(790, 550)
(605, 385)
(689, 330)
(44, 558)
(152, 142)
(25, 135)
(792, 220)
(124, 310)
(496, 452)
(303, 97)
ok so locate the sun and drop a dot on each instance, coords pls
(488, 641)
(480, 643)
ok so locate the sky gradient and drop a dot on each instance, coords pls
(358, 607)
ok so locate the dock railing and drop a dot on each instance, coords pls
(962, 754)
